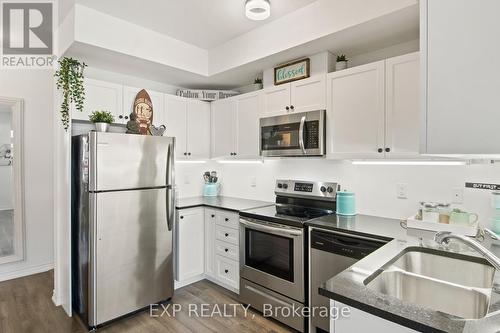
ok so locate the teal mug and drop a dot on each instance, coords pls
(464, 218)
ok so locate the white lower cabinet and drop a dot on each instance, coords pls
(190, 265)
(356, 320)
(207, 247)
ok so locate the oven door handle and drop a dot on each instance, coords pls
(301, 134)
(262, 227)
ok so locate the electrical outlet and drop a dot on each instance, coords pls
(457, 195)
(402, 190)
(253, 182)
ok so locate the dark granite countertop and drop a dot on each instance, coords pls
(227, 203)
(348, 287)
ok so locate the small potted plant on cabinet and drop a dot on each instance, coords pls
(257, 83)
(101, 120)
(341, 62)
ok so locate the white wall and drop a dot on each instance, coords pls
(35, 87)
(375, 186)
(5, 170)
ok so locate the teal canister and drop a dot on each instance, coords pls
(346, 203)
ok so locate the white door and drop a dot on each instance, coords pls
(276, 100)
(157, 98)
(101, 96)
(308, 94)
(190, 243)
(210, 218)
(198, 129)
(223, 128)
(462, 76)
(176, 123)
(355, 112)
(402, 106)
(247, 125)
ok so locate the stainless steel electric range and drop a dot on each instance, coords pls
(272, 248)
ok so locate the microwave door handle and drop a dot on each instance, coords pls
(301, 134)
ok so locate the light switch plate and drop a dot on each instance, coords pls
(457, 195)
(402, 190)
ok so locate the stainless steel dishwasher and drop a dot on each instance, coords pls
(331, 253)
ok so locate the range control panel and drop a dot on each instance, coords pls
(300, 188)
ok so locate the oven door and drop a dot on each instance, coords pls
(298, 134)
(272, 255)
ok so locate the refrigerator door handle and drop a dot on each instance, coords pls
(170, 195)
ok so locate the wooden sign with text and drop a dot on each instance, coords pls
(292, 71)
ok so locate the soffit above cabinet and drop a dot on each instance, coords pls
(111, 43)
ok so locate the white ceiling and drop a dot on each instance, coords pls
(204, 23)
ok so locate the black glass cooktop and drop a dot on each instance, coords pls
(287, 214)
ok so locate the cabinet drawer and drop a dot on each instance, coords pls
(227, 250)
(226, 234)
(230, 220)
(227, 271)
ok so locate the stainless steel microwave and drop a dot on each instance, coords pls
(296, 134)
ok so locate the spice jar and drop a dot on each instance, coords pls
(430, 212)
(444, 213)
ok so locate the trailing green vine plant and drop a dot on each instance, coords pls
(70, 80)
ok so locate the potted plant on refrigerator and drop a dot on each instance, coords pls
(341, 62)
(257, 83)
(101, 120)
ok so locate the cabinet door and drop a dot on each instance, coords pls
(198, 129)
(157, 98)
(360, 321)
(462, 76)
(308, 94)
(176, 123)
(275, 100)
(355, 112)
(210, 218)
(247, 125)
(223, 128)
(190, 243)
(402, 106)
(102, 96)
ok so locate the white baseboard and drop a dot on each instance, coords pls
(183, 283)
(26, 271)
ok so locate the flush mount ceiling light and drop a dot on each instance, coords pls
(257, 10)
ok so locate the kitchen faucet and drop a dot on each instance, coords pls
(444, 237)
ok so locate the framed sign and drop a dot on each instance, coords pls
(292, 71)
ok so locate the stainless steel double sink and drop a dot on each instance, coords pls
(454, 284)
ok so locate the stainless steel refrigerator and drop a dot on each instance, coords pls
(122, 216)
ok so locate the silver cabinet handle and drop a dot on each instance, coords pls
(262, 227)
(301, 134)
(252, 289)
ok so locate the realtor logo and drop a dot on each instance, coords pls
(27, 34)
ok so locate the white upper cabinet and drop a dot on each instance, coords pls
(402, 130)
(373, 110)
(276, 100)
(308, 94)
(223, 128)
(247, 125)
(198, 129)
(461, 81)
(235, 126)
(355, 112)
(157, 98)
(101, 96)
(297, 96)
(189, 122)
(176, 123)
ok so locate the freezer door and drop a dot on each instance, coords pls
(126, 161)
(133, 252)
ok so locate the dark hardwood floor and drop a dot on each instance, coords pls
(26, 306)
